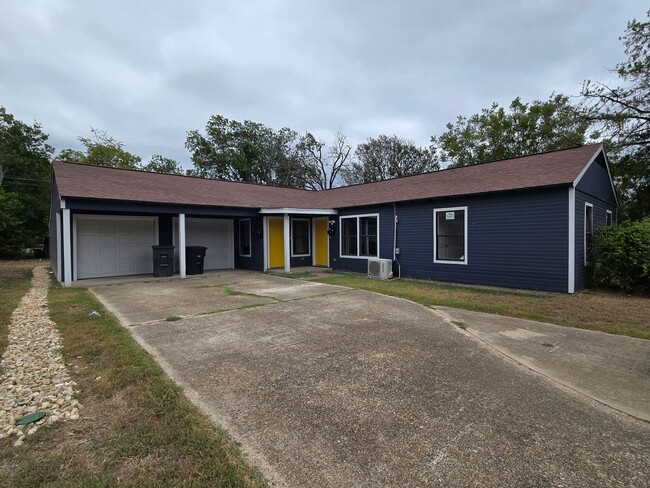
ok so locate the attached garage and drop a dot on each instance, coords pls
(215, 234)
(113, 246)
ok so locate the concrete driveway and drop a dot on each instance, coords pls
(327, 386)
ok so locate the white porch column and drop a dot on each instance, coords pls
(287, 244)
(67, 247)
(181, 246)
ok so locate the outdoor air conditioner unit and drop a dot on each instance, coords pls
(380, 268)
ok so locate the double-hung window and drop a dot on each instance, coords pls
(359, 236)
(245, 237)
(300, 237)
(450, 235)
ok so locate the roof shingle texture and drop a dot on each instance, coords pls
(546, 169)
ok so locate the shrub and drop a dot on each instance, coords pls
(620, 257)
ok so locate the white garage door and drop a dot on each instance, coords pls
(216, 235)
(114, 246)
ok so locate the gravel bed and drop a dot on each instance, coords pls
(34, 376)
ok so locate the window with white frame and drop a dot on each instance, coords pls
(608, 218)
(359, 236)
(589, 229)
(300, 237)
(245, 237)
(450, 235)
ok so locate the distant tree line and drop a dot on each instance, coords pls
(253, 152)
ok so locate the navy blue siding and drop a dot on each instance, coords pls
(143, 208)
(596, 182)
(256, 260)
(517, 240)
(600, 216)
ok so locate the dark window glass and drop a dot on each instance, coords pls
(589, 229)
(608, 219)
(349, 237)
(450, 235)
(300, 234)
(244, 237)
(368, 236)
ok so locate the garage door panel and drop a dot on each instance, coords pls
(114, 246)
(215, 234)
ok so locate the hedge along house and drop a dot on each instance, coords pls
(522, 223)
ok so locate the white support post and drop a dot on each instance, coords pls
(287, 245)
(67, 247)
(181, 246)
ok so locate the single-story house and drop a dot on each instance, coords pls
(522, 223)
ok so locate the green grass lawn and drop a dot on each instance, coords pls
(610, 312)
(15, 280)
(136, 426)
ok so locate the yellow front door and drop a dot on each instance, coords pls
(321, 257)
(276, 243)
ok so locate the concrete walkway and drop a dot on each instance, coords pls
(613, 370)
(328, 386)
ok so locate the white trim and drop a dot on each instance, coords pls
(357, 216)
(299, 211)
(59, 245)
(308, 238)
(588, 165)
(265, 241)
(62, 202)
(435, 238)
(182, 265)
(572, 241)
(287, 243)
(67, 247)
(250, 238)
(584, 229)
(611, 218)
(313, 241)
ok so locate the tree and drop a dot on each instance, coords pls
(24, 184)
(246, 151)
(101, 150)
(621, 114)
(387, 157)
(323, 165)
(524, 129)
(160, 164)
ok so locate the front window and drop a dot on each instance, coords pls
(450, 232)
(608, 218)
(245, 237)
(359, 236)
(300, 237)
(589, 229)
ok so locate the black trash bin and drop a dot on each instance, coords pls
(194, 257)
(163, 261)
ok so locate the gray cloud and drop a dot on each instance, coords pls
(149, 71)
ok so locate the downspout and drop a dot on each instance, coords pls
(395, 220)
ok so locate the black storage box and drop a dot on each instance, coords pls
(163, 261)
(194, 258)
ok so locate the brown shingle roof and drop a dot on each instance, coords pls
(539, 170)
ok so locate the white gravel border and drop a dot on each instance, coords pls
(34, 376)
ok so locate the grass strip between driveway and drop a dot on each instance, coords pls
(136, 426)
(610, 312)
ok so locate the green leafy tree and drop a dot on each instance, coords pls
(387, 157)
(497, 133)
(24, 184)
(246, 151)
(161, 164)
(101, 150)
(322, 165)
(621, 114)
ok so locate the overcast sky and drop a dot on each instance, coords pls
(149, 71)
